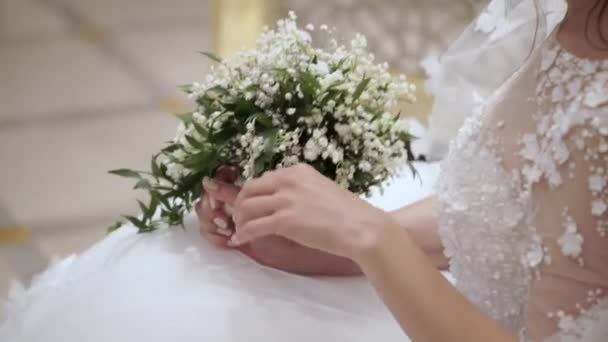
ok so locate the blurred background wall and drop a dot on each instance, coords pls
(90, 85)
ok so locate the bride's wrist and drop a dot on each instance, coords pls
(341, 267)
(376, 240)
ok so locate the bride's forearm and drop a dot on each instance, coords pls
(424, 303)
(419, 221)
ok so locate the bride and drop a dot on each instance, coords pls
(520, 218)
(522, 210)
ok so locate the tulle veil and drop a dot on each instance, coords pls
(504, 37)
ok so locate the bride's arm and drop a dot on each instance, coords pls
(426, 305)
(417, 218)
(419, 221)
(302, 205)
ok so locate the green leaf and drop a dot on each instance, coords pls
(222, 136)
(261, 163)
(360, 88)
(193, 142)
(216, 91)
(262, 119)
(154, 202)
(172, 147)
(198, 160)
(154, 167)
(143, 207)
(211, 56)
(415, 173)
(114, 226)
(137, 223)
(142, 184)
(186, 88)
(160, 198)
(242, 108)
(406, 137)
(126, 173)
(270, 137)
(184, 117)
(331, 94)
(339, 65)
(200, 129)
(309, 84)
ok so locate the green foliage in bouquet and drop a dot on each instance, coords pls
(282, 103)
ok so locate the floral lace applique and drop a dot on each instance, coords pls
(488, 214)
(587, 325)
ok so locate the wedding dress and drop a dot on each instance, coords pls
(522, 207)
(172, 285)
(522, 200)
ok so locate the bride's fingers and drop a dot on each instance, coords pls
(223, 225)
(228, 174)
(256, 207)
(258, 228)
(214, 221)
(217, 240)
(220, 191)
(264, 185)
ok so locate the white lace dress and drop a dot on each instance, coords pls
(523, 201)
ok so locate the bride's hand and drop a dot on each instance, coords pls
(214, 215)
(300, 204)
(276, 252)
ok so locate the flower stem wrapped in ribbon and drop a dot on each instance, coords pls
(281, 103)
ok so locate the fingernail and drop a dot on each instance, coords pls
(212, 203)
(209, 184)
(234, 241)
(225, 232)
(229, 209)
(220, 223)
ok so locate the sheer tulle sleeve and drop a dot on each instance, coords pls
(523, 201)
(569, 287)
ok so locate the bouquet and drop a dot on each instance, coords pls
(281, 103)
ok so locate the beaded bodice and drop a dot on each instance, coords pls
(523, 201)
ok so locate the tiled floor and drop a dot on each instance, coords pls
(87, 86)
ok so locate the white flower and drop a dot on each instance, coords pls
(175, 171)
(291, 111)
(534, 256)
(598, 207)
(311, 150)
(566, 323)
(179, 155)
(323, 142)
(217, 125)
(532, 173)
(337, 156)
(571, 241)
(597, 183)
(365, 166)
(321, 68)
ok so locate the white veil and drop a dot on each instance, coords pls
(496, 44)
